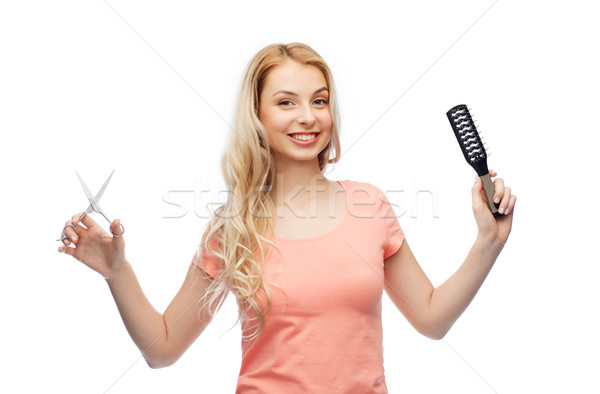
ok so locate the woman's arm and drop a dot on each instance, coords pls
(162, 338)
(433, 311)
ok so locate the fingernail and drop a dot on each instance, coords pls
(61, 249)
(497, 200)
(501, 210)
(74, 238)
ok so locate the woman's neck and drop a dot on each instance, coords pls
(298, 181)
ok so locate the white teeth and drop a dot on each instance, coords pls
(304, 137)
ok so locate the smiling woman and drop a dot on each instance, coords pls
(307, 271)
(299, 114)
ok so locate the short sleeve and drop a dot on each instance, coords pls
(207, 262)
(391, 226)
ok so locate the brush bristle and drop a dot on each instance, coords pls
(466, 133)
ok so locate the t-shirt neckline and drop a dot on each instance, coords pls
(327, 234)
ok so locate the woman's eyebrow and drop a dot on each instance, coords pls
(295, 94)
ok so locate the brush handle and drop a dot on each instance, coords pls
(490, 190)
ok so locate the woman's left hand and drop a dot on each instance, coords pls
(495, 229)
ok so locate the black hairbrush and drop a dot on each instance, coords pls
(473, 149)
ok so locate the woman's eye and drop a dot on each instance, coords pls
(287, 103)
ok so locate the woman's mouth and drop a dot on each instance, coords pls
(304, 139)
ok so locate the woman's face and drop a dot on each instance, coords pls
(295, 99)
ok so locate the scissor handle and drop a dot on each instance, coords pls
(109, 222)
(63, 236)
(118, 235)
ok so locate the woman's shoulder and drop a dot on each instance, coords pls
(362, 196)
(362, 187)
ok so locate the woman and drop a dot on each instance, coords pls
(307, 258)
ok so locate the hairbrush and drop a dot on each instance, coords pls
(470, 143)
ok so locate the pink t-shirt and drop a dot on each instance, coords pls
(324, 333)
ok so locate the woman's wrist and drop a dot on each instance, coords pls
(490, 242)
(117, 272)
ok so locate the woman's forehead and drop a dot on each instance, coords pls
(294, 77)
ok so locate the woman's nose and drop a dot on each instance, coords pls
(306, 115)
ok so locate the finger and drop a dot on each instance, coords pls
(65, 238)
(69, 232)
(75, 218)
(511, 204)
(67, 250)
(477, 185)
(117, 230)
(493, 173)
(88, 221)
(505, 200)
(478, 194)
(499, 193)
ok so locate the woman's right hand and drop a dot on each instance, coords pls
(93, 246)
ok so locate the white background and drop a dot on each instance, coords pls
(80, 89)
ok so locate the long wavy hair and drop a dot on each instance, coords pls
(241, 226)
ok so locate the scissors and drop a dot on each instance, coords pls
(93, 207)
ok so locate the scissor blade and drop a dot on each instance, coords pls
(101, 192)
(89, 195)
(89, 210)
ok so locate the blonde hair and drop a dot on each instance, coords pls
(242, 225)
